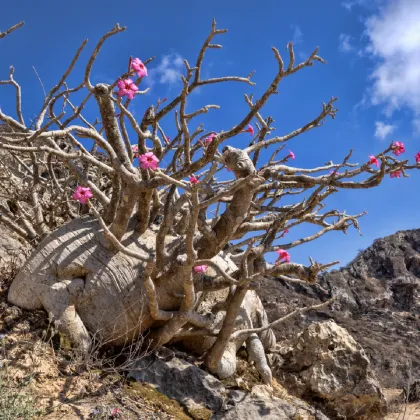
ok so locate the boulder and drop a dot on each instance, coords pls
(199, 391)
(377, 301)
(180, 380)
(260, 404)
(328, 368)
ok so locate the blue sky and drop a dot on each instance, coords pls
(372, 48)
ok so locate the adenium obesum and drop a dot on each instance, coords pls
(82, 194)
(291, 155)
(200, 268)
(126, 87)
(396, 174)
(373, 161)
(194, 180)
(283, 255)
(209, 139)
(398, 148)
(149, 161)
(138, 66)
(417, 157)
(249, 130)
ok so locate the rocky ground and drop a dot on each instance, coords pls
(317, 361)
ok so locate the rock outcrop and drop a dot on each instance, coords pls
(378, 302)
(200, 392)
(327, 366)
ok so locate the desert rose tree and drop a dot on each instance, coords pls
(124, 245)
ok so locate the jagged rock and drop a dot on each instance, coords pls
(261, 404)
(327, 367)
(180, 380)
(197, 389)
(378, 302)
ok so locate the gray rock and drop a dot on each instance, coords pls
(195, 388)
(259, 404)
(180, 380)
(326, 366)
(378, 302)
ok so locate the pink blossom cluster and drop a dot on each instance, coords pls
(396, 174)
(397, 148)
(194, 180)
(127, 87)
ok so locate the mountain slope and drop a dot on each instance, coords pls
(378, 301)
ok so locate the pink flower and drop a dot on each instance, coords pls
(337, 173)
(138, 66)
(373, 161)
(168, 139)
(417, 157)
(209, 139)
(283, 255)
(194, 180)
(291, 155)
(149, 161)
(82, 194)
(396, 174)
(115, 412)
(398, 148)
(200, 268)
(249, 130)
(135, 149)
(127, 87)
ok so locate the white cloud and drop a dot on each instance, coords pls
(394, 42)
(383, 130)
(168, 71)
(344, 43)
(297, 34)
(348, 5)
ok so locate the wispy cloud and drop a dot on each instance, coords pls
(168, 71)
(297, 36)
(348, 5)
(394, 43)
(344, 43)
(383, 130)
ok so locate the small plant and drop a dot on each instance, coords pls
(16, 402)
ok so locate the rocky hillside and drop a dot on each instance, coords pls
(378, 301)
